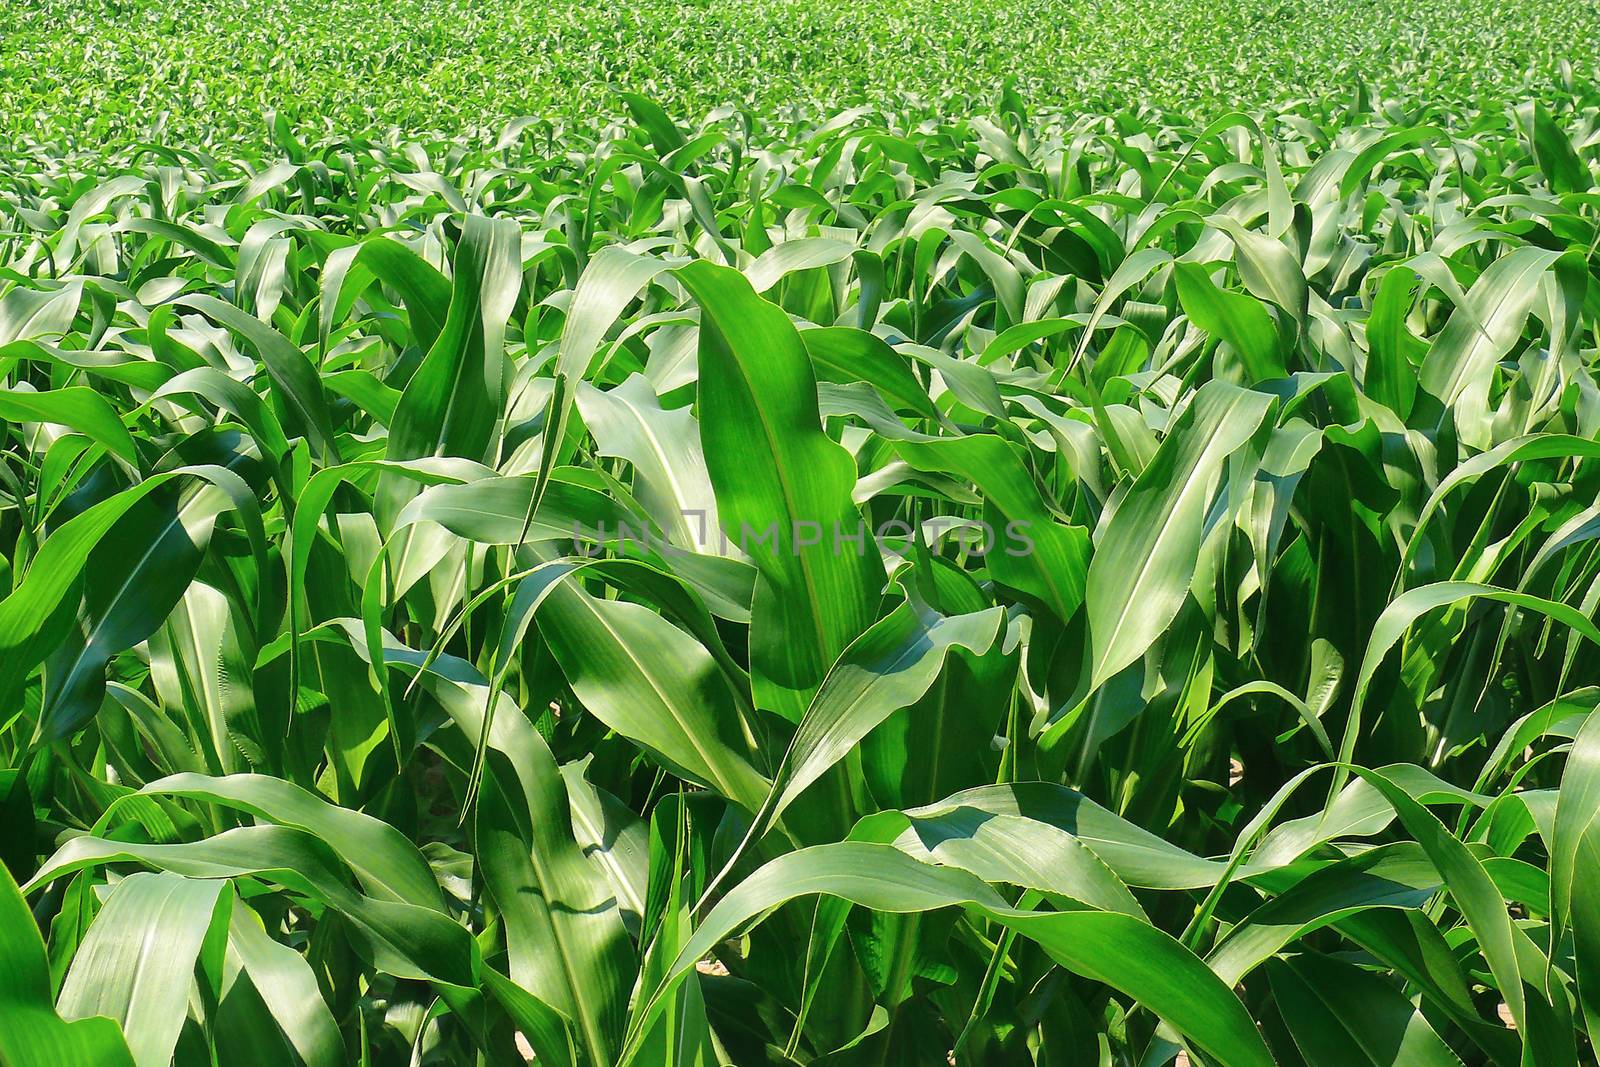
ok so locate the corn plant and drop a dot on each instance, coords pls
(1018, 588)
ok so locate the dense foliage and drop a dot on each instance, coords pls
(203, 72)
(1086, 588)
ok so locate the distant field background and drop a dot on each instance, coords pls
(186, 70)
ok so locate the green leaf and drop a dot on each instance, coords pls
(670, 479)
(293, 377)
(1471, 887)
(424, 290)
(1236, 318)
(1575, 898)
(139, 959)
(651, 682)
(28, 314)
(888, 668)
(132, 582)
(76, 407)
(1147, 555)
(33, 1034)
(1027, 548)
(1562, 167)
(405, 940)
(34, 619)
(1393, 351)
(452, 404)
(1484, 328)
(386, 863)
(1342, 1015)
(1413, 604)
(1135, 855)
(1390, 876)
(777, 476)
(287, 985)
(566, 944)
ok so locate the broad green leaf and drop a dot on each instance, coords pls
(1483, 330)
(33, 1034)
(1341, 1014)
(565, 939)
(628, 422)
(652, 683)
(141, 956)
(406, 941)
(888, 668)
(1390, 876)
(1145, 559)
(286, 983)
(1563, 168)
(452, 404)
(1575, 899)
(34, 619)
(386, 863)
(78, 408)
(29, 314)
(1026, 546)
(1236, 318)
(1135, 855)
(783, 489)
(292, 375)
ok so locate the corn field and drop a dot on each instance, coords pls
(935, 581)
